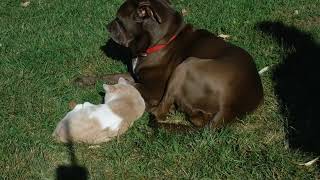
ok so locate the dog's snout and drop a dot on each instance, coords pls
(109, 26)
(112, 26)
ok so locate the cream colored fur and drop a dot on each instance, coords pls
(93, 124)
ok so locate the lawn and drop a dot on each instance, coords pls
(46, 45)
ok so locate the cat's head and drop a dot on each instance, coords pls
(117, 90)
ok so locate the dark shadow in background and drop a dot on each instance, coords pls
(72, 171)
(102, 94)
(296, 82)
(117, 52)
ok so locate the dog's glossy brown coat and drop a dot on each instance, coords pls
(211, 80)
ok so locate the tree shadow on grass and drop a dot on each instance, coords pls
(296, 83)
(72, 171)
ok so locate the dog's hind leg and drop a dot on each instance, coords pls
(163, 108)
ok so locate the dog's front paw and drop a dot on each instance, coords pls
(160, 117)
(85, 81)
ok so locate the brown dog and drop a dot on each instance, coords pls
(209, 79)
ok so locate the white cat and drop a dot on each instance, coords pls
(93, 124)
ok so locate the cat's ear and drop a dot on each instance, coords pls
(122, 81)
(108, 88)
(105, 87)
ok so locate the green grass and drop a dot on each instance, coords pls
(44, 46)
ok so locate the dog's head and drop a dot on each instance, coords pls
(143, 21)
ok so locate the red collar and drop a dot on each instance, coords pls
(159, 46)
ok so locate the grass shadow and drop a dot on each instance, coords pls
(102, 94)
(117, 52)
(72, 171)
(296, 84)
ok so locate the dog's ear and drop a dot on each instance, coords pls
(146, 11)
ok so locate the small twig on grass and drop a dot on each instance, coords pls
(309, 163)
(94, 147)
(25, 3)
(224, 36)
(184, 12)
